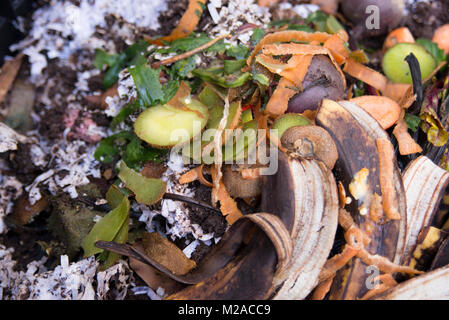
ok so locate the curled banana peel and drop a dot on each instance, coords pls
(314, 200)
(429, 286)
(425, 184)
(376, 222)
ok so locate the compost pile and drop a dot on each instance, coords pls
(226, 150)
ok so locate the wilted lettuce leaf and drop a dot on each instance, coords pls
(147, 82)
(431, 124)
(108, 228)
(231, 66)
(238, 52)
(412, 121)
(128, 146)
(257, 35)
(319, 19)
(103, 59)
(147, 190)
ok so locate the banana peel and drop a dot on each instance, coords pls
(356, 135)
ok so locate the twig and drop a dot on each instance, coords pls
(187, 54)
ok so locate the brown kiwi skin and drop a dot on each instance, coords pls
(239, 187)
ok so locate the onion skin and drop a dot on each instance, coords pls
(391, 13)
(322, 81)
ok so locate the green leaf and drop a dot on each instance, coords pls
(262, 79)
(107, 228)
(412, 121)
(185, 44)
(106, 151)
(300, 27)
(147, 82)
(182, 68)
(256, 36)
(319, 19)
(433, 48)
(333, 25)
(238, 52)
(231, 66)
(135, 153)
(133, 55)
(230, 81)
(210, 98)
(147, 190)
(103, 59)
(218, 47)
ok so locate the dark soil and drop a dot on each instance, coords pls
(425, 17)
(24, 241)
(19, 162)
(170, 18)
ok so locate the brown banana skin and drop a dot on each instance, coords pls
(356, 144)
(250, 274)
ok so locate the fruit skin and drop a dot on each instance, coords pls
(288, 120)
(441, 38)
(390, 15)
(396, 68)
(156, 124)
(322, 81)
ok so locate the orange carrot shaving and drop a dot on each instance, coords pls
(386, 168)
(278, 102)
(293, 48)
(387, 282)
(384, 264)
(288, 36)
(301, 49)
(398, 35)
(406, 143)
(363, 73)
(341, 194)
(227, 205)
(345, 220)
(297, 74)
(337, 262)
(322, 289)
(397, 91)
(195, 174)
(441, 38)
(385, 110)
(186, 25)
(336, 46)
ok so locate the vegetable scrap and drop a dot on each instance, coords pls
(224, 150)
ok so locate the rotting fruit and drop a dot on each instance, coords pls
(396, 68)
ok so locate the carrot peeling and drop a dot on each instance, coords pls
(399, 35)
(186, 25)
(337, 262)
(387, 159)
(195, 174)
(387, 282)
(288, 36)
(363, 73)
(228, 206)
(385, 110)
(406, 143)
(322, 289)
